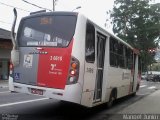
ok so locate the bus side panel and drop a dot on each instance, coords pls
(89, 85)
(78, 51)
(53, 67)
(26, 71)
(120, 79)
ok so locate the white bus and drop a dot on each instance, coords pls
(65, 56)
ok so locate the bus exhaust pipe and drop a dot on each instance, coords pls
(15, 50)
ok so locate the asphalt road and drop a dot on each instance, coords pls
(18, 106)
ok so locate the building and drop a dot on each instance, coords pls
(5, 53)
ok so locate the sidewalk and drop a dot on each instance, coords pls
(148, 108)
(3, 83)
(148, 105)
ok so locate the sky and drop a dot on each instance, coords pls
(95, 10)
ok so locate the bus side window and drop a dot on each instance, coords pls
(90, 43)
(121, 55)
(114, 52)
(129, 58)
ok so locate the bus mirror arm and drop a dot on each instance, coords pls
(15, 50)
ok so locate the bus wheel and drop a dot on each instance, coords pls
(111, 99)
(134, 94)
(137, 87)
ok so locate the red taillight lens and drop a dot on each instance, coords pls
(73, 71)
(11, 68)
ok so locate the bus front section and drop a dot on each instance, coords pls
(46, 65)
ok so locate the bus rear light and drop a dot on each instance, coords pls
(72, 80)
(73, 71)
(74, 65)
(11, 68)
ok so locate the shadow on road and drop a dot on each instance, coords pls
(68, 111)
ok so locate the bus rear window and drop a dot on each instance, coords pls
(56, 31)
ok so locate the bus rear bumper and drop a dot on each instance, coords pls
(71, 93)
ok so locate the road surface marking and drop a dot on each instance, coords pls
(143, 86)
(152, 87)
(22, 102)
(143, 94)
(5, 92)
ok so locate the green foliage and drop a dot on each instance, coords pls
(154, 67)
(138, 23)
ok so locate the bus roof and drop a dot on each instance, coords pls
(51, 13)
(76, 14)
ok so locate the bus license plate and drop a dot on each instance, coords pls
(36, 91)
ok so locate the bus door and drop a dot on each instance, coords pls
(135, 74)
(101, 43)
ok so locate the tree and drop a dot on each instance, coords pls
(138, 23)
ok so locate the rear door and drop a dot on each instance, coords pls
(101, 44)
(45, 50)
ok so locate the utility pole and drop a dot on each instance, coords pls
(54, 4)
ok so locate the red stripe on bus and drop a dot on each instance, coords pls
(53, 67)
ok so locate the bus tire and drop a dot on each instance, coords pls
(137, 87)
(134, 94)
(13, 91)
(112, 98)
